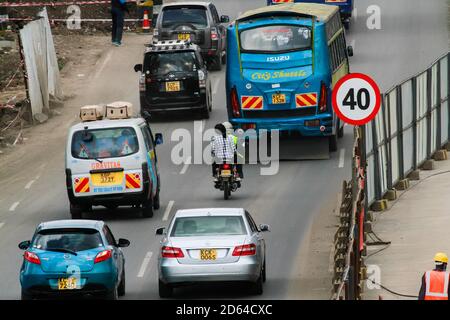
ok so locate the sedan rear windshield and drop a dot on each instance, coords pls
(276, 38)
(208, 226)
(164, 63)
(192, 16)
(67, 240)
(104, 143)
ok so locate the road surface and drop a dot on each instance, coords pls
(413, 34)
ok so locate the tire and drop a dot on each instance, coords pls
(113, 295)
(156, 202)
(347, 24)
(224, 58)
(264, 273)
(121, 289)
(25, 296)
(226, 190)
(205, 112)
(216, 64)
(340, 132)
(258, 285)
(165, 290)
(147, 209)
(332, 143)
(76, 211)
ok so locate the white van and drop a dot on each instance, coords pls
(112, 162)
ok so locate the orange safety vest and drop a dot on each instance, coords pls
(436, 285)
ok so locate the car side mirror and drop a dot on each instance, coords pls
(264, 227)
(146, 115)
(159, 139)
(224, 19)
(138, 67)
(123, 243)
(160, 231)
(24, 245)
(350, 51)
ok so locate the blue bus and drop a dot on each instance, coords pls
(345, 7)
(282, 63)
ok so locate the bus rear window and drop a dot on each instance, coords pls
(276, 38)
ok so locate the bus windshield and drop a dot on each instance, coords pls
(276, 38)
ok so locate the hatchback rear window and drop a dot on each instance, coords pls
(276, 38)
(175, 17)
(66, 240)
(164, 63)
(208, 226)
(104, 143)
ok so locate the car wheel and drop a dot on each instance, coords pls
(210, 100)
(332, 143)
(76, 211)
(224, 58)
(217, 63)
(25, 296)
(340, 132)
(113, 295)
(121, 289)
(205, 112)
(147, 209)
(258, 285)
(165, 290)
(156, 202)
(264, 272)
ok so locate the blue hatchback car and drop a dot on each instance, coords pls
(73, 257)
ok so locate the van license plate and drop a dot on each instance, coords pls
(67, 284)
(107, 178)
(208, 254)
(184, 36)
(278, 98)
(173, 86)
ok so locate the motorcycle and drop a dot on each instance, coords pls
(227, 179)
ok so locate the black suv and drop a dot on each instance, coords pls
(198, 22)
(174, 77)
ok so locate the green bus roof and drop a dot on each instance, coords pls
(323, 12)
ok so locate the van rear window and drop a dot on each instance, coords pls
(104, 143)
(276, 38)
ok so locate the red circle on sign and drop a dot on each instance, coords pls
(374, 86)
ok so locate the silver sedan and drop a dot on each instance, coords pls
(211, 245)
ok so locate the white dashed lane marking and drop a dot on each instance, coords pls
(341, 158)
(14, 206)
(168, 209)
(144, 264)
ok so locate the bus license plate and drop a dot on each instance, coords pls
(279, 98)
(107, 178)
(67, 284)
(184, 36)
(173, 86)
(208, 254)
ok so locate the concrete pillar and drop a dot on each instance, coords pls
(415, 175)
(428, 165)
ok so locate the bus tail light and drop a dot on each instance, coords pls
(323, 98)
(235, 103)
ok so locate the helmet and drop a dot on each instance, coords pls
(441, 258)
(228, 126)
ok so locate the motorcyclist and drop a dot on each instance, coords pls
(223, 148)
(237, 139)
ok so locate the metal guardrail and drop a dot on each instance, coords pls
(413, 123)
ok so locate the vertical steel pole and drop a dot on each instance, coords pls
(429, 131)
(399, 113)
(438, 106)
(414, 100)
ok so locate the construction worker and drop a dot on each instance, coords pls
(238, 157)
(118, 9)
(436, 283)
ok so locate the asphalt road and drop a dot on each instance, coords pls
(32, 181)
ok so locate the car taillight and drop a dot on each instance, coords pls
(214, 35)
(142, 83)
(31, 257)
(171, 252)
(323, 98)
(201, 79)
(235, 103)
(244, 250)
(102, 256)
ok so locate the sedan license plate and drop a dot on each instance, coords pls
(226, 173)
(173, 86)
(67, 284)
(107, 178)
(208, 254)
(278, 98)
(184, 36)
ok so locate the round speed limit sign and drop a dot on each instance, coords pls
(356, 99)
